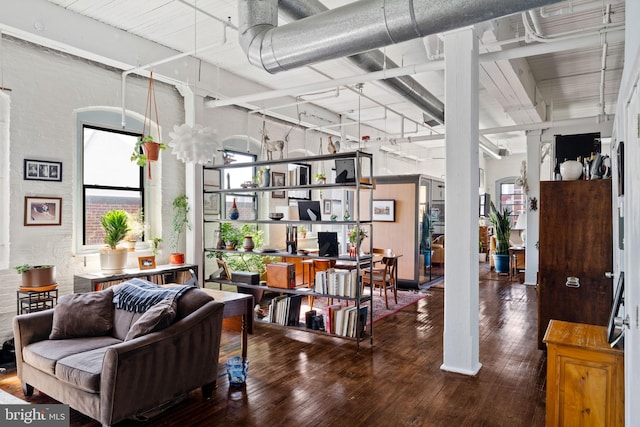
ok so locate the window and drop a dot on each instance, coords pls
(109, 180)
(106, 177)
(511, 196)
(235, 178)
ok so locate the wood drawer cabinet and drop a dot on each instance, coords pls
(575, 241)
(585, 376)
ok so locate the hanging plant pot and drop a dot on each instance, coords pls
(151, 150)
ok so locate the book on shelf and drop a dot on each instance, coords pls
(293, 317)
(342, 283)
(331, 316)
(362, 320)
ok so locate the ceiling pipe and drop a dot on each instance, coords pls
(356, 27)
(594, 40)
(375, 60)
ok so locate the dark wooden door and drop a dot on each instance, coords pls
(575, 241)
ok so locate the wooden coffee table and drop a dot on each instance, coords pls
(236, 304)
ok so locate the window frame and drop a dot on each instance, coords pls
(228, 198)
(108, 120)
(522, 206)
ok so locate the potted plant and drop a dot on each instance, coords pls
(320, 178)
(356, 236)
(37, 276)
(115, 225)
(179, 224)
(135, 222)
(502, 226)
(302, 231)
(425, 239)
(155, 245)
(150, 151)
(150, 147)
(230, 235)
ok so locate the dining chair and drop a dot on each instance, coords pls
(384, 277)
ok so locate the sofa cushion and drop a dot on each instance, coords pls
(43, 355)
(82, 370)
(154, 319)
(83, 315)
(122, 321)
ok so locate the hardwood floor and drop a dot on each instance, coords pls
(298, 378)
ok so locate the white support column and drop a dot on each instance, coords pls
(193, 113)
(461, 301)
(533, 216)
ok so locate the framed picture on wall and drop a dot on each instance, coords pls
(42, 170)
(326, 206)
(42, 210)
(384, 210)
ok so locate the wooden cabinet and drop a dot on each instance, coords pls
(575, 242)
(585, 376)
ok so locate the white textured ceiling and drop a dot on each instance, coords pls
(561, 85)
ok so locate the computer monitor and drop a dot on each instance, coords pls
(327, 244)
(309, 210)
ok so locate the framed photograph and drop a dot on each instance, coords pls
(211, 204)
(147, 262)
(299, 175)
(384, 210)
(225, 274)
(42, 210)
(326, 206)
(277, 180)
(42, 170)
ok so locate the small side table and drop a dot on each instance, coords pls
(30, 300)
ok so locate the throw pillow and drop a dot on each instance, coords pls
(155, 319)
(83, 315)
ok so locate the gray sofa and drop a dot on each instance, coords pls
(98, 359)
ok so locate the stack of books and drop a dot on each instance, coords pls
(285, 310)
(341, 283)
(346, 321)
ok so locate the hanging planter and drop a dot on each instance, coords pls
(150, 147)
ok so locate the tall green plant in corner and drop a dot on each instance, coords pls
(502, 225)
(179, 223)
(116, 226)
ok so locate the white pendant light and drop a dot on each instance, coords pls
(197, 144)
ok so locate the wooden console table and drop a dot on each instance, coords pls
(585, 376)
(161, 274)
(236, 305)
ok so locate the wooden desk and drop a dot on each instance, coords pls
(90, 282)
(236, 305)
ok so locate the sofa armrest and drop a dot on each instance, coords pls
(144, 372)
(30, 328)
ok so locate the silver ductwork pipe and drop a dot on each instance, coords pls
(357, 27)
(374, 60)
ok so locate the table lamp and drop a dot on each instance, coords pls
(521, 224)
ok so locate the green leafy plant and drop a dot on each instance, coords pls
(180, 221)
(357, 233)
(425, 233)
(116, 226)
(502, 225)
(155, 244)
(26, 267)
(320, 176)
(242, 261)
(138, 156)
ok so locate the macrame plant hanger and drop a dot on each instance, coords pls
(150, 106)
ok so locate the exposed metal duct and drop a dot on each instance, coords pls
(357, 27)
(375, 60)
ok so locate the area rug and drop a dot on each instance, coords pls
(405, 299)
(9, 399)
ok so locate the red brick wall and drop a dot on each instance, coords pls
(96, 206)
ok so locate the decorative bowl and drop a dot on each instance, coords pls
(570, 170)
(276, 216)
(303, 252)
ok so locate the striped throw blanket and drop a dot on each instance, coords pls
(139, 295)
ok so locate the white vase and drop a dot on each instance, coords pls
(113, 260)
(571, 170)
